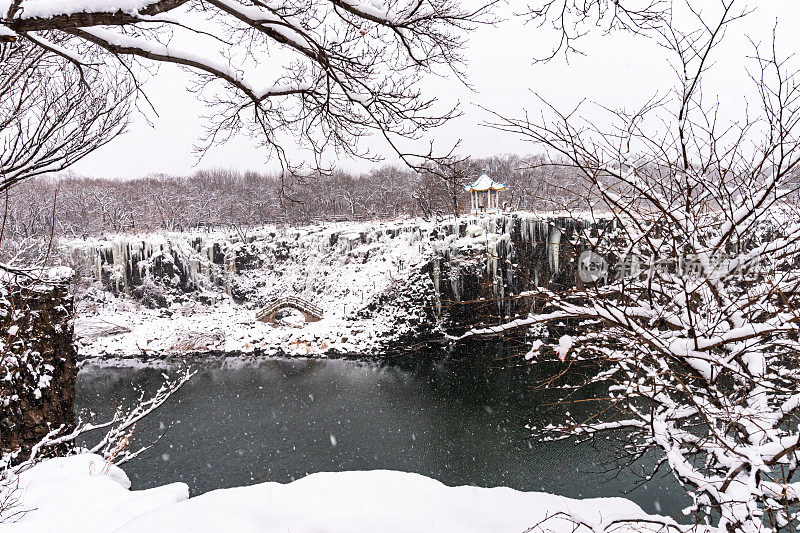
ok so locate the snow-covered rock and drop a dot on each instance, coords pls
(85, 494)
(37, 363)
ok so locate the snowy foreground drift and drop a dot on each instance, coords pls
(84, 494)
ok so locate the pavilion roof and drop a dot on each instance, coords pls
(485, 183)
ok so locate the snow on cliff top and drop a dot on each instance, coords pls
(84, 494)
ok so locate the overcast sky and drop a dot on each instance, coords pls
(616, 71)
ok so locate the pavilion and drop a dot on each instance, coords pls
(484, 194)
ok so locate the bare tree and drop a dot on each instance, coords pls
(446, 178)
(52, 115)
(346, 69)
(573, 19)
(220, 197)
(696, 329)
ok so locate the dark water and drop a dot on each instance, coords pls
(277, 420)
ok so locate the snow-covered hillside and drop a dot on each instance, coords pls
(85, 494)
(376, 283)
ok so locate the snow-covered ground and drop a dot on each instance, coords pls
(84, 494)
(123, 328)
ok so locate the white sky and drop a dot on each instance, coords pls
(616, 71)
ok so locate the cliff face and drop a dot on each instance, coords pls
(381, 285)
(183, 262)
(485, 273)
(38, 367)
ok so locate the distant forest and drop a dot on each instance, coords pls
(76, 207)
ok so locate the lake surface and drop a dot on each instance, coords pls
(239, 423)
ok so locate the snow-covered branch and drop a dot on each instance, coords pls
(695, 322)
(120, 427)
(339, 70)
(56, 107)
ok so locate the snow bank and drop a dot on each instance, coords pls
(84, 494)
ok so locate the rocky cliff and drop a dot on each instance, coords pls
(380, 284)
(37, 364)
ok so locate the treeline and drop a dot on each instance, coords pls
(76, 207)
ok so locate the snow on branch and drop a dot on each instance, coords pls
(57, 105)
(113, 445)
(340, 70)
(694, 323)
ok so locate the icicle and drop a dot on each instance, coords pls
(553, 247)
(436, 275)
